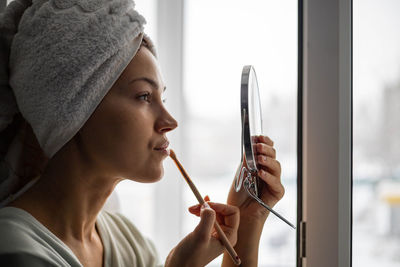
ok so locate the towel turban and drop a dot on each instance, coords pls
(63, 57)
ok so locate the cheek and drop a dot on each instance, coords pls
(131, 135)
(122, 135)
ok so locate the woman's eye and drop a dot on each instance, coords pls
(145, 97)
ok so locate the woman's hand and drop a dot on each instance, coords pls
(202, 245)
(272, 190)
(252, 214)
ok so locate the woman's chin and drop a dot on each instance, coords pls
(152, 180)
(151, 177)
(156, 178)
(158, 175)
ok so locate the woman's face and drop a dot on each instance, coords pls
(126, 135)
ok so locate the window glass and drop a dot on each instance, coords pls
(220, 37)
(376, 128)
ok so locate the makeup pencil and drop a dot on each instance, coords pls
(221, 233)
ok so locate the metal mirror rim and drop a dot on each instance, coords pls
(244, 96)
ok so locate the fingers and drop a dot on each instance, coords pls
(273, 182)
(195, 209)
(265, 139)
(270, 163)
(270, 171)
(266, 150)
(230, 215)
(204, 228)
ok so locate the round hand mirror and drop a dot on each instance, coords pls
(250, 108)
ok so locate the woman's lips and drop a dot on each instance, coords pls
(163, 145)
(163, 148)
(163, 151)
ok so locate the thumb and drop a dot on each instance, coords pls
(206, 224)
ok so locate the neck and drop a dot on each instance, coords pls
(68, 197)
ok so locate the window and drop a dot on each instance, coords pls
(219, 38)
(376, 150)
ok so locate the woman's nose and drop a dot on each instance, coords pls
(166, 123)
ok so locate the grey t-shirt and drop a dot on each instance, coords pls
(24, 241)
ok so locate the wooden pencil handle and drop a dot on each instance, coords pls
(197, 194)
(227, 244)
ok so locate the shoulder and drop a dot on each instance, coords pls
(23, 259)
(117, 220)
(118, 223)
(19, 244)
(126, 234)
(24, 239)
(16, 232)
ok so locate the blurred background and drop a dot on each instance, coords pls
(376, 130)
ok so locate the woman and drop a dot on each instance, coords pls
(88, 93)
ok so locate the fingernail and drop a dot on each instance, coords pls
(207, 198)
(205, 205)
(259, 147)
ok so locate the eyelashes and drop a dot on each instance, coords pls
(145, 97)
(148, 97)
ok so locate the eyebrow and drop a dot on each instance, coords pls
(153, 83)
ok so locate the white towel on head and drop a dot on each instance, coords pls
(63, 57)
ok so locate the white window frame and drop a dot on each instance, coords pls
(327, 133)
